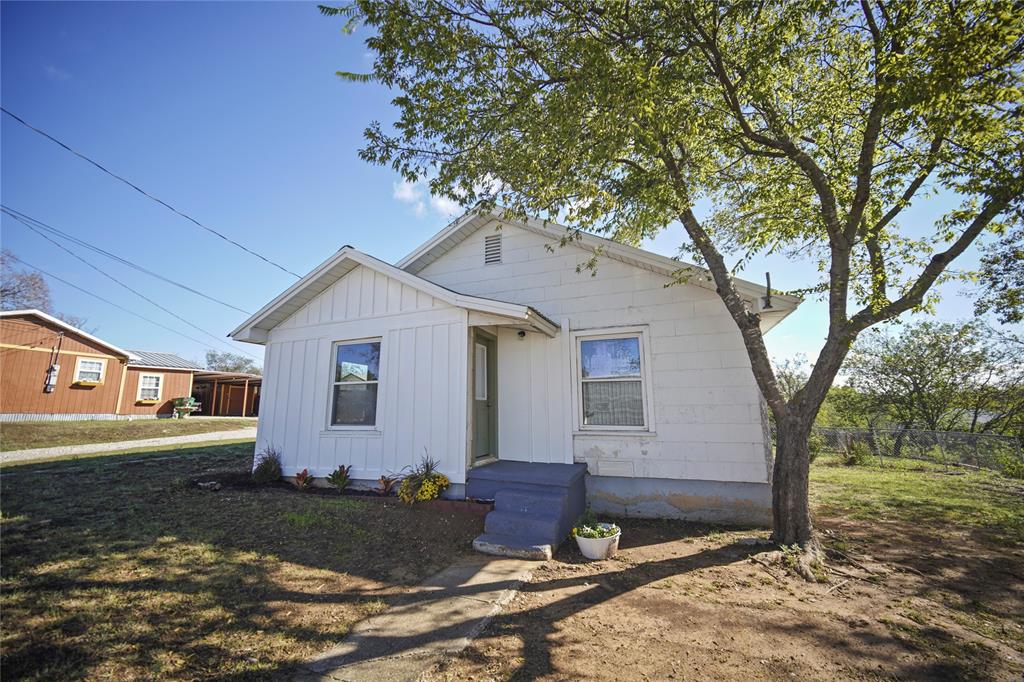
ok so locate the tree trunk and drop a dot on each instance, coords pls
(791, 514)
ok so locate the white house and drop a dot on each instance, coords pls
(489, 344)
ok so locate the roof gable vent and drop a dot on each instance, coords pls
(492, 249)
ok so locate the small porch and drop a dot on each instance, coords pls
(227, 394)
(535, 506)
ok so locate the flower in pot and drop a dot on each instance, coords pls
(596, 540)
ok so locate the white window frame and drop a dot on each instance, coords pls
(331, 383)
(159, 388)
(78, 369)
(646, 382)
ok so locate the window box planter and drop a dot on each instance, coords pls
(147, 402)
(88, 384)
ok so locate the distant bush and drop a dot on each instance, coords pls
(816, 445)
(339, 477)
(856, 453)
(1010, 465)
(268, 466)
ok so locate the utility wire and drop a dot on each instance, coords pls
(134, 291)
(106, 300)
(147, 194)
(22, 217)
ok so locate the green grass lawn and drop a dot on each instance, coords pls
(120, 567)
(909, 491)
(26, 435)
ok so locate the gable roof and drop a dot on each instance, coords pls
(32, 312)
(152, 360)
(254, 329)
(474, 219)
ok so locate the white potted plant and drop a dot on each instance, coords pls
(595, 539)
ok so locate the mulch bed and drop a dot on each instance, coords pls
(243, 481)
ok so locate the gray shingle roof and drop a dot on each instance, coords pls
(169, 360)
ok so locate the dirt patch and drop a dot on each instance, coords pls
(684, 601)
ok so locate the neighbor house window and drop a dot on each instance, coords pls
(89, 370)
(150, 386)
(612, 382)
(356, 377)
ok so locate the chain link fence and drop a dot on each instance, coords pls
(945, 448)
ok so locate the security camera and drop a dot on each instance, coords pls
(522, 334)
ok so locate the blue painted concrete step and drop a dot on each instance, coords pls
(535, 505)
(524, 501)
(527, 526)
(483, 482)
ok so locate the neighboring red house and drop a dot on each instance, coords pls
(51, 370)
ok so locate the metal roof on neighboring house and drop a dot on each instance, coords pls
(163, 360)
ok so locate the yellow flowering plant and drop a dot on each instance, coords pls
(424, 483)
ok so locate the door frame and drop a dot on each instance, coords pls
(492, 394)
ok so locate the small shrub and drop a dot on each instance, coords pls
(339, 477)
(816, 445)
(386, 484)
(856, 453)
(424, 483)
(1010, 465)
(268, 466)
(304, 479)
(587, 526)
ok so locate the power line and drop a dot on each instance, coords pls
(134, 291)
(21, 217)
(105, 300)
(147, 194)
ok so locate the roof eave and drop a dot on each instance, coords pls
(61, 323)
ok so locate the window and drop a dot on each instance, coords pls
(150, 386)
(356, 376)
(89, 370)
(480, 373)
(612, 376)
(492, 249)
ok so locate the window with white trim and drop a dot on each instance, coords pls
(355, 380)
(150, 386)
(612, 381)
(89, 370)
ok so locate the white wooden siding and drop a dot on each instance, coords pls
(706, 405)
(422, 401)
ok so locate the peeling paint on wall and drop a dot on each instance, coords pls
(714, 501)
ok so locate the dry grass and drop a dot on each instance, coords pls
(26, 435)
(121, 568)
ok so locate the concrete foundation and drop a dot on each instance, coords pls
(711, 501)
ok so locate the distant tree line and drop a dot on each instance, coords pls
(223, 361)
(930, 375)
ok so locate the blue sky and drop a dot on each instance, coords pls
(232, 113)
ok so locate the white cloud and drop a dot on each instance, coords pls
(407, 192)
(56, 74)
(417, 194)
(445, 207)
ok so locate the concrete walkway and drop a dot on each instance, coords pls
(93, 448)
(438, 617)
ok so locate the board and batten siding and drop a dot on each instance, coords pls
(422, 390)
(706, 408)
